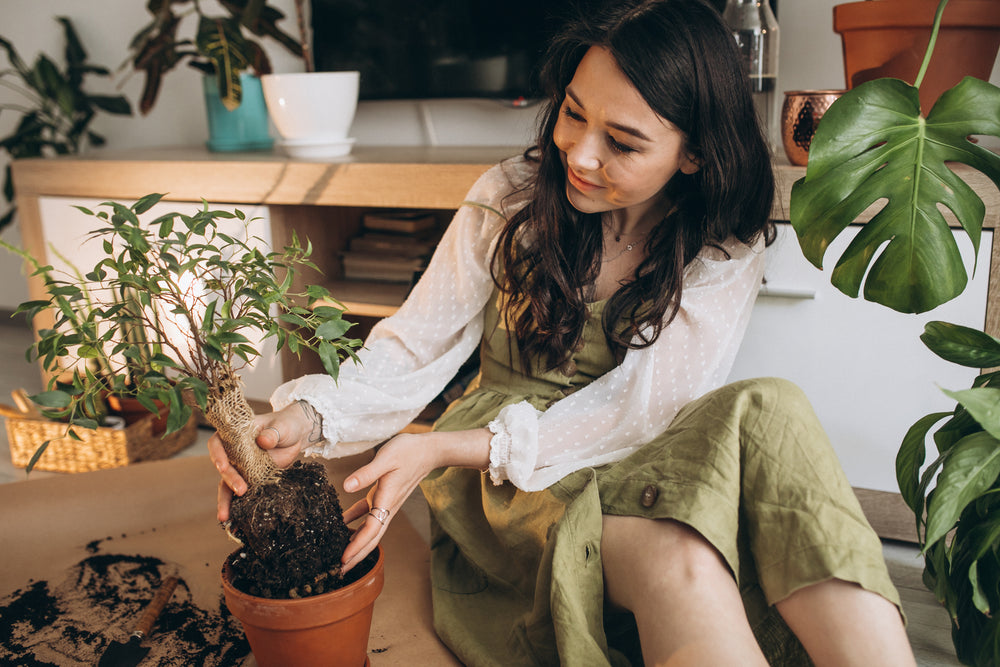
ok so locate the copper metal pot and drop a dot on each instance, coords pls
(800, 114)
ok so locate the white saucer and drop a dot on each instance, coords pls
(309, 148)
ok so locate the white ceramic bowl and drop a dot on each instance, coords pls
(312, 107)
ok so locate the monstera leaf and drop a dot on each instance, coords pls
(873, 147)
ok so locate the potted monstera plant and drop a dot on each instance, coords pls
(197, 285)
(875, 144)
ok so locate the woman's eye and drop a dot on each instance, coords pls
(619, 147)
(569, 113)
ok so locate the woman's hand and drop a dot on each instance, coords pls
(394, 473)
(282, 434)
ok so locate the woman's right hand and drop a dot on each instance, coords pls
(282, 434)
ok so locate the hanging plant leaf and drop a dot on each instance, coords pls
(872, 147)
(221, 41)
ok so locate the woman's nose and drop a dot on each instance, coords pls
(585, 153)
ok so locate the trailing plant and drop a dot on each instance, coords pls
(874, 147)
(55, 111)
(220, 47)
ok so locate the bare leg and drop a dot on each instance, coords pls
(686, 603)
(840, 623)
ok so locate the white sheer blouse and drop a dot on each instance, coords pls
(410, 356)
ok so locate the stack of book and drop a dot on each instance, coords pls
(393, 246)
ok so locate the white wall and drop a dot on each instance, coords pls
(810, 58)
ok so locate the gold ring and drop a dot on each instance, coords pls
(380, 514)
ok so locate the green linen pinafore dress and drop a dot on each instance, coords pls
(517, 576)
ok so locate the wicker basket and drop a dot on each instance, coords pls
(97, 449)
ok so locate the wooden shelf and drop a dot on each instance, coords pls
(368, 298)
(405, 177)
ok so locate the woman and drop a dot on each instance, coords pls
(608, 277)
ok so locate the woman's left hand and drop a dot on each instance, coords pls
(394, 473)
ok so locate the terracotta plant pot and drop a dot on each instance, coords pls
(887, 38)
(132, 411)
(329, 630)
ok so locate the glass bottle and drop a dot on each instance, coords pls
(756, 32)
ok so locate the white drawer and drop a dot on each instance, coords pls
(862, 365)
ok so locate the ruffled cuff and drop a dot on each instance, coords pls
(514, 445)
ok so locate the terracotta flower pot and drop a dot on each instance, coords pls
(887, 38)
(132, 411)
(329, 630)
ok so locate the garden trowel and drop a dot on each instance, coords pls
(131, 652)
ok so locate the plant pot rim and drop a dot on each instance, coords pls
(361, 593)
(869, 14)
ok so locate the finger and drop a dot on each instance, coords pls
(224, 500)
(268, 435)
(356, 511)
(229, 475)
(363, 543)
(216, 451)
(366, 475)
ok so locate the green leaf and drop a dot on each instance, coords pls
(146, 203)
(328, 356)
(983, 403)
(962, 345)
(971, 467)
(52, 399)
(332, 329)
(909, 460)
(37, 455)
(873, 146)
(115, 104)
(221, 41)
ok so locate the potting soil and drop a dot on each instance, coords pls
(71, 622)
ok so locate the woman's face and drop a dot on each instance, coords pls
(618, 153)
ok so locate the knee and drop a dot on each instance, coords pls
(643, 557)
(772, 394)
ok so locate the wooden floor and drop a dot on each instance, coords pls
(928, 626)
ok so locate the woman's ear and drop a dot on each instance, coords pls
(690, 164)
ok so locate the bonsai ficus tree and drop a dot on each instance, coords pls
(181, 294)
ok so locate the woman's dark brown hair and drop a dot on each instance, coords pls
(683, 61)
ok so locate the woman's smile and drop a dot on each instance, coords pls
(580, 183)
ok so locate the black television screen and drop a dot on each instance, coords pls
(440, 48)
(436, 48)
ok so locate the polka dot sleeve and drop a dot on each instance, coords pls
(410, 356)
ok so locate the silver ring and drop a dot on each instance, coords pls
(271, 428)
(380, 514)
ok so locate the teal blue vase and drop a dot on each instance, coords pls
(246, 127)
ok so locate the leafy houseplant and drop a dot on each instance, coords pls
(220, 46)
(196, 289)
(874, 144)
(55, 110)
